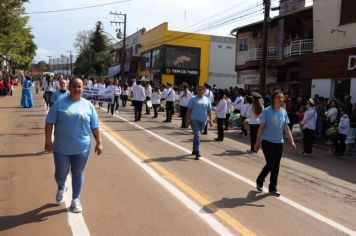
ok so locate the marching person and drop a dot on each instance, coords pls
(156, 100)
(210, 95)
(125, 94)
(139, 97)
(62, 92)
(274, 122)
(245, 107)
(343, 128)
(148, 92)
(239, 101)
(228, 109)
(220, 110)
(309, 126)
(26, 98)
(170, 96)
(253, 114)
(74, 119)
(49, 89)
(184, 98)
(114, 86)
(199, 109)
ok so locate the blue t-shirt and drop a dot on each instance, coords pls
(274, 121)
(74, 122)
(58, 95)
(200, 107)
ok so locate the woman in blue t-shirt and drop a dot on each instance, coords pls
(274, 121)
(199, 108)
(75, 119)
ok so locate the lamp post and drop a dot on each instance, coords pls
(70, 61)
(49, 63)
(123, 37)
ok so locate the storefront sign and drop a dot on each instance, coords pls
(252, 77)
(188, 72)
(352, 62)
(98, 94)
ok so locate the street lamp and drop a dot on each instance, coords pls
(49, 63)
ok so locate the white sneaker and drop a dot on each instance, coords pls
(75, 206)
(60, 195)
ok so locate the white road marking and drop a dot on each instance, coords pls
(208, 218)
(286, 200)
(75, 220)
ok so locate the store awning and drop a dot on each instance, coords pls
(113, 70)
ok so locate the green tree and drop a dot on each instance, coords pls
(92, 47)
(16, 39)
(42, 66)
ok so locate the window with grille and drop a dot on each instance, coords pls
(243, 44)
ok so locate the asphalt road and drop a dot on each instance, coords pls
(146, 183)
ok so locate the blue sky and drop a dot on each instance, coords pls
(55, 32)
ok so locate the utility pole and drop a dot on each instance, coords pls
(263, 69)
(119, 36)
(71, 63)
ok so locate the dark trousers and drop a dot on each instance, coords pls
(221, 128)
(308, 140)
(155, 109)
(227, 121)
(273, 156)
(253, 135)
(147, 108)
(183, 115)
(339, 143)
(243, 130)
(124, 100)
(138, 109)
(169, 110)
(113, 105)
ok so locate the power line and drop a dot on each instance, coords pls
(159, 42)
(77, 8)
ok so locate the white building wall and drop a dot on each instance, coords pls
(323, 87)
(222, 62)
(328, 33)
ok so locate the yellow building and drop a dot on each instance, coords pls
(175, 57)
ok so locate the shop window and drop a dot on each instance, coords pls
(156, 58)
(146, 61)
(183, 57)
(243, 44)
(348, 12)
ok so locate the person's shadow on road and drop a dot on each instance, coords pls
(36, 215)
(249, 200)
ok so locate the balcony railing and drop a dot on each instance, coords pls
(298, 47)
(256, 53)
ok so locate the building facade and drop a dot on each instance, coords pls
(132, 57)
(222, 62)
(333, 67)
(177, 57)
(60, 66)
(311, 50)
(174, 57)
(290, 42)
